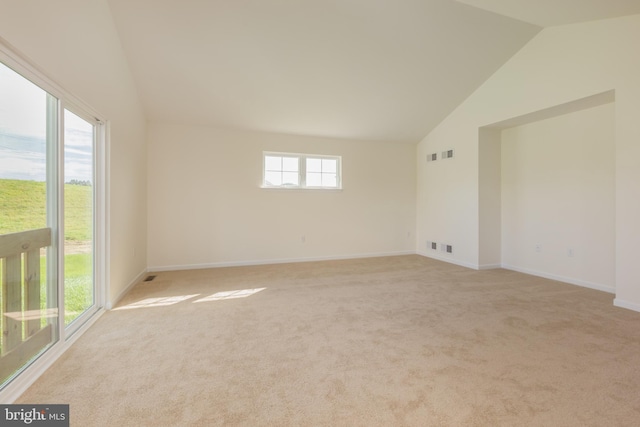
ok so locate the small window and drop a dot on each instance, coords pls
(322, 172)
(281, 171)
(288, 170)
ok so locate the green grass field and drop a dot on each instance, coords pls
(23, 207)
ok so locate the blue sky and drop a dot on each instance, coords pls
(23, 133)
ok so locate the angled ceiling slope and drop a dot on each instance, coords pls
(359, 69)
(548, 13)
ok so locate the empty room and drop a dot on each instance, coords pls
(269, 212)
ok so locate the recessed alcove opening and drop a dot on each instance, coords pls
(547, 193)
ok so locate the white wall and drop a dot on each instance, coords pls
(206, 207)
(75, 44)
(560, 65)
(490, 198)
(558, 198)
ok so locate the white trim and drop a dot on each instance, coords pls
(16, 387)
(106, 224)
(60, 194)
(626, 304)
(101, 215)
(489, 266)
(431, 254)
(112, 303)
(570, 280)
(273, 261)
(301, 189)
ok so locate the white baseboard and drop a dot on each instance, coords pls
(272, 261)
(138, 278)
(626, 304)
(570, 280)
(433, 255)
(489, 266)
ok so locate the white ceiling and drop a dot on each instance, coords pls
(547, 13)
(361, 69)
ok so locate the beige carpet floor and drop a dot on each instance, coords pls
(388, 341)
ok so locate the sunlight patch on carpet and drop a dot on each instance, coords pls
(157, 302)
(242, 293)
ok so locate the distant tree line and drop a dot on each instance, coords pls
(79, 182)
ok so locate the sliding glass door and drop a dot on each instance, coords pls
(48, 285)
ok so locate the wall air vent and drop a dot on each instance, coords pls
(447, 154)
(432, 157)
(432, 245)
(446, 248)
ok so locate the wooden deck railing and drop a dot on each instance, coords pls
(23, 333)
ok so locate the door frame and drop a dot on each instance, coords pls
(13, 59)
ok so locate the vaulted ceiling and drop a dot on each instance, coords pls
(548, 13)
(360, 69)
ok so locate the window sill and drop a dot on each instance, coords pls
(322, 189)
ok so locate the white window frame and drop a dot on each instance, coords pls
(302, 171)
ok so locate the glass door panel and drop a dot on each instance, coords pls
(79, 295)
(28, 276)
